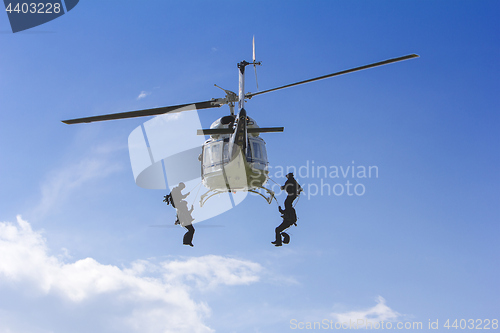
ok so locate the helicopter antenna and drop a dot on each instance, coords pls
(254, 63)
(231, 97)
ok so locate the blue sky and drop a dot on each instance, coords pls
(420, 244)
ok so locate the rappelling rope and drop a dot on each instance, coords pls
(274, 181)
(297, 200)
(196, 196)
(274, 197)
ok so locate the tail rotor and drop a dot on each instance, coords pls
(255, 63)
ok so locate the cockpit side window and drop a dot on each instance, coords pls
(257, 153)
(206, 155)
(263, 151)
(216, 153)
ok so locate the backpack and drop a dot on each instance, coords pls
(169, 200)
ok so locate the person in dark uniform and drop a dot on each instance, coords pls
(289, 218)
(185, 219)
(292, 188)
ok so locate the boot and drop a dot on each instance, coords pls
(286, 237)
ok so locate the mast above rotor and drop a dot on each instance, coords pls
(241, 83)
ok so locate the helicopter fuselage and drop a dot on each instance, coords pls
(237, 161)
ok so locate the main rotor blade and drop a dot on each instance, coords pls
(216, 131)
(385, 62)
(147, 112)
(265, 129)
(177, 226)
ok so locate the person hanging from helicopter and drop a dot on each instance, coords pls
(175, 196)
(185, 219)
(292, 188)
(289, 218)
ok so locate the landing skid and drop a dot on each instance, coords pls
(269, 198)
(204, 197)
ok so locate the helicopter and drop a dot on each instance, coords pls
(234, 158)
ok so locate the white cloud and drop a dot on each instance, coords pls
(376, 314)
(143, 94)
(210, 271)
(144, 297)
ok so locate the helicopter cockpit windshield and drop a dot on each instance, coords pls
(216, 161)
(216, 153)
